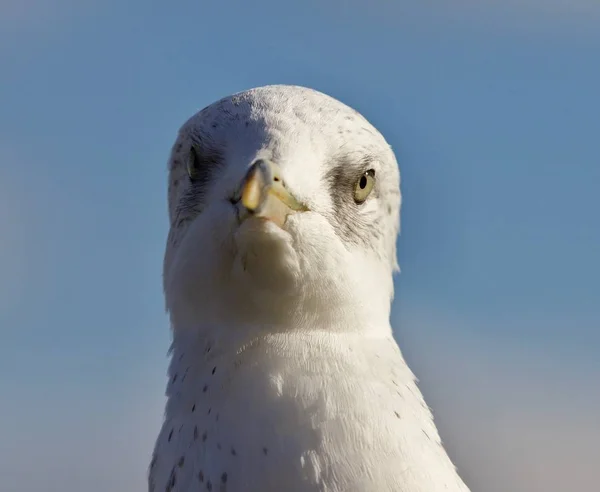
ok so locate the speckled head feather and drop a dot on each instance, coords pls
(284, 372)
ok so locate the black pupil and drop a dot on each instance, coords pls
(363, 182)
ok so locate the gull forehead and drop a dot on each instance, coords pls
(288, 123)
(287, 109)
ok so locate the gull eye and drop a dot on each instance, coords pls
(364, 186)
(193, 165)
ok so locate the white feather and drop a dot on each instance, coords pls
(285, 375)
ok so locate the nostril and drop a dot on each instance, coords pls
(236, 196)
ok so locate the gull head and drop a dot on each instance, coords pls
(284, 212)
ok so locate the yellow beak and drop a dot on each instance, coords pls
(263, 193)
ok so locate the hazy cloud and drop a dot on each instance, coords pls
(515, 416)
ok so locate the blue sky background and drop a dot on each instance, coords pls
(493, 108)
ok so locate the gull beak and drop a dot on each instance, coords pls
(263, 193)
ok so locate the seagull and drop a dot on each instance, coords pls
(284, 209)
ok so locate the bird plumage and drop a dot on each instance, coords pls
(284, 373)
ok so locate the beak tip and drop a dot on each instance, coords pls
(262, 192)
(254, 186)
(250, 196)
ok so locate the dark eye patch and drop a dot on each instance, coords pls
(203, 163)
(350, 223)
(345, 174)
